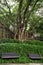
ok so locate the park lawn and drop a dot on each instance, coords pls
(22, 48)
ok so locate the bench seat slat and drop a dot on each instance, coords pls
(10, 55)
(34, 56)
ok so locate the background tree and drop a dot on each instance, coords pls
(23, 15)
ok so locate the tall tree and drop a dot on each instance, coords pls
(20, 15)
(21, 28)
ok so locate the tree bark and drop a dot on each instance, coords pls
(22, 30)
(19, 20)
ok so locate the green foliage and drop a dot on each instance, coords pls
(9, 41)
(22, 48)
(17, 41)
(41, 37)
(9, 14)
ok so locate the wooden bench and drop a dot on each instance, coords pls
(34, 56)
(9, 55)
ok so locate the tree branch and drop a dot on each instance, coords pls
(30, 13)
(8, 6)
(32, 9)
(28, 3)
(19, 13)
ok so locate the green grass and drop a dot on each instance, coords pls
(22, 48)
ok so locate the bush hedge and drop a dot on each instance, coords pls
(33, 42)
(9, 41)
(22, 48)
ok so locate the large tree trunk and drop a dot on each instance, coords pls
(22, 34)
(19, 20)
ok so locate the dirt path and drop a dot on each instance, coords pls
(24, 64)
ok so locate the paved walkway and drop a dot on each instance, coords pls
(24, 64)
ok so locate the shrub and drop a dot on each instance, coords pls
(9, 41)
